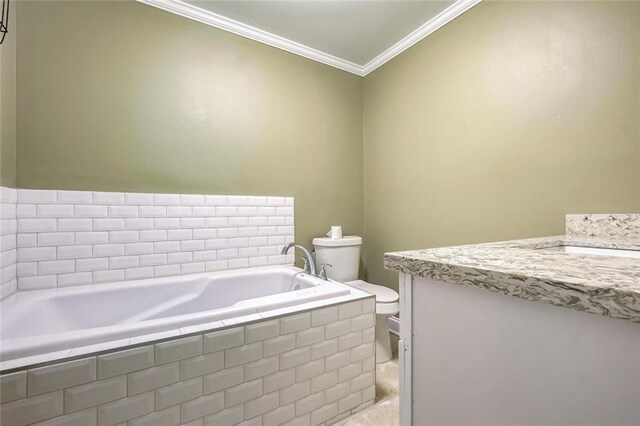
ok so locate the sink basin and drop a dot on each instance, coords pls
(595, 251)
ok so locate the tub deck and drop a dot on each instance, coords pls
(47, 325)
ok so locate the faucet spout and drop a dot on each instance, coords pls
(310, 264)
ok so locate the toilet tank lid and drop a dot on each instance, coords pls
(351, 240)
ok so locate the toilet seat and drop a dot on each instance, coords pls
(386, 298)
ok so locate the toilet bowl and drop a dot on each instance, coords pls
(387, 305)
(343, 254)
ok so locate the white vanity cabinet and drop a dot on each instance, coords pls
(472, 357)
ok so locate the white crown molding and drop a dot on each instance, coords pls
(187, 10)
(206, 17)
(435, 23)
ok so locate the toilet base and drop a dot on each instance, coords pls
(383, 339)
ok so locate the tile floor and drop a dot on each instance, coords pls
(385, 411)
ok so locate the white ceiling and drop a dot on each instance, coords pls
(356, 31)
(357, 36)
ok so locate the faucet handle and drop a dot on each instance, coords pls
(306, 267)
(323, 270)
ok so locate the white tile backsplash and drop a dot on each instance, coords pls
(37, 196)
(9, 244)
(62, 238)
(75, 197)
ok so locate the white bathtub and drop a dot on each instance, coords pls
(44, 321)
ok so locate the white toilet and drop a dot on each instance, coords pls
(343, 254)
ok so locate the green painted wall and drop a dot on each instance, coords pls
(120, 96)
(491, 128)
(8, 105)
(501, 122)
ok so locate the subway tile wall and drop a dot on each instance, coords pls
(66, 238)
(8, 252)
(308, 368)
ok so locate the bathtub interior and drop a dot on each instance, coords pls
(40, 313)
(37, 322)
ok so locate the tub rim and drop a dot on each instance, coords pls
(56, 357)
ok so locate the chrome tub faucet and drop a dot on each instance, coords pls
(309, 262)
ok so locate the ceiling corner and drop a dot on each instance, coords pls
(207, 17)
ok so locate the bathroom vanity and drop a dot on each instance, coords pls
(541, 331)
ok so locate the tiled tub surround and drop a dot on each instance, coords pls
(67, 238)
(603, 285)
(304, 368)
(8, 252)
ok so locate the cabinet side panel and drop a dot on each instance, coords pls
(484, 358)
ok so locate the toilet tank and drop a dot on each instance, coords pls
(342, 253)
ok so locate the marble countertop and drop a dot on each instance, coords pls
(604, 285)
